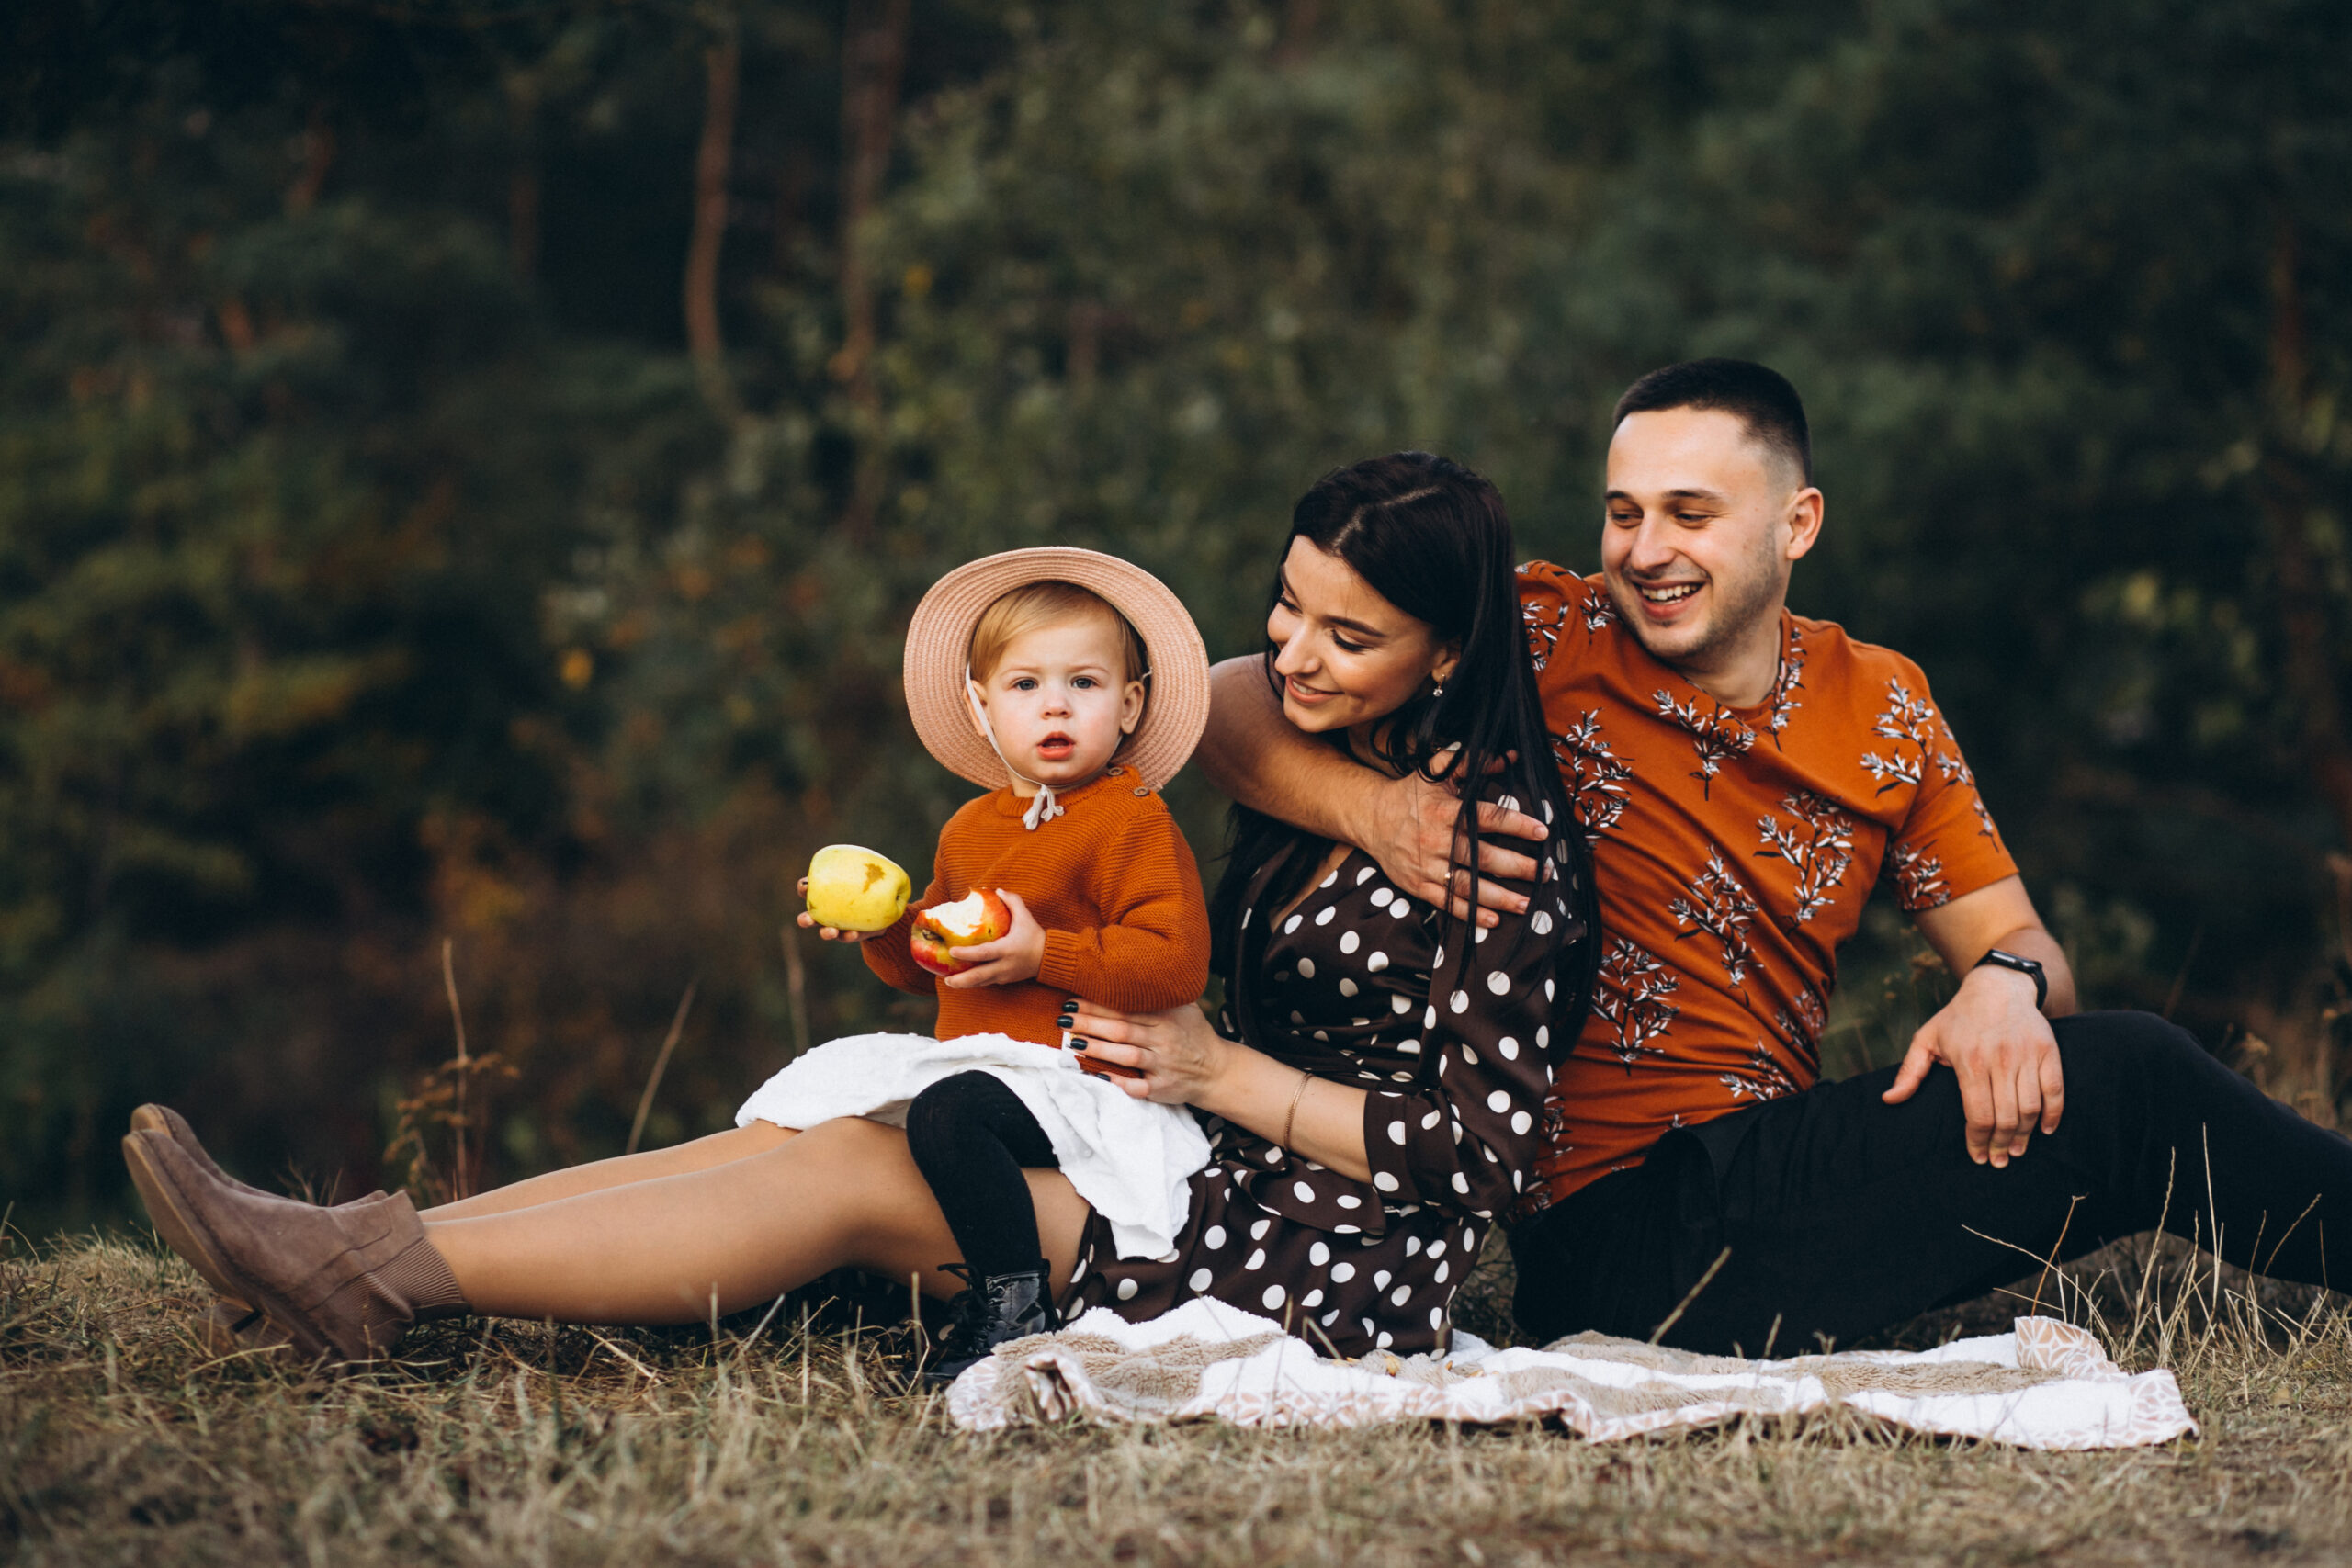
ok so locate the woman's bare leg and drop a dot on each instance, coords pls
(679, 1159)
(675, 1249)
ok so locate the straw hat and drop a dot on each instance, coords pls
(939, 644)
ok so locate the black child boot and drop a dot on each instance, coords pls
(994, 1310)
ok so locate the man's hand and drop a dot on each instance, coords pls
(1990, 1034)
(1251, 753)
(1011, 958)
(1411, 828)
(2002, 1050)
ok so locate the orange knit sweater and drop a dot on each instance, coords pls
(1111, 881)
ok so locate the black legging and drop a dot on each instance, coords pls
(1844, 1214)
(970, 1136)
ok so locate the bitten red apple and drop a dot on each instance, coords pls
(979, 915)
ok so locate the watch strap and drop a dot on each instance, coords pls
(2029, 967)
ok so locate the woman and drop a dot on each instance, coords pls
(1411, 1055)
(1373, 1096)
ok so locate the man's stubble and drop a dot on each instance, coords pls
(1756, 596)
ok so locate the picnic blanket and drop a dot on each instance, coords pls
(2047, 1384)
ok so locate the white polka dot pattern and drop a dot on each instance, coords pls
(1453, 1100)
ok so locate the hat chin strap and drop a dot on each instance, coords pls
(1043, 806)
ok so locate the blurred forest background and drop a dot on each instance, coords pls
(464, 465)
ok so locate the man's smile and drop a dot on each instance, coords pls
(1663, 602)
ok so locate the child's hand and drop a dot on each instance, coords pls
(1011, 958)
(829, 933)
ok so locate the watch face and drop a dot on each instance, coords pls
(2029, 967)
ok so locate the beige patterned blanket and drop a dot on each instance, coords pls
(2045, 1385)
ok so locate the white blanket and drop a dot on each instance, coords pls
(2045, 1385)
(1130, 1158)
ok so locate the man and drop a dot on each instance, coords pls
(1744, 776)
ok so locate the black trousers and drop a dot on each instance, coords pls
(1843, 1214)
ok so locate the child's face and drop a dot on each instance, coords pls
(1057, 703)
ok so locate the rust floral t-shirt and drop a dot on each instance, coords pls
(1734, 849)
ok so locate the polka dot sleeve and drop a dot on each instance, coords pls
(1465, 1135)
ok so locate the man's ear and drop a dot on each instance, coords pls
(1803, 517)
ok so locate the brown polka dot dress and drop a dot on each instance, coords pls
(1453, 1049)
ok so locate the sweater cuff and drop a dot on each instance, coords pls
(1063, 967)
(886, 954)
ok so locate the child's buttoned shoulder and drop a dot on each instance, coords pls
(1127, 804)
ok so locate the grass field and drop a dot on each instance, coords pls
(121, 1442)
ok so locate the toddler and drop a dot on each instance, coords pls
(1027, 672)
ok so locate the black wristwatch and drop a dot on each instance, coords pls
(2031, 967)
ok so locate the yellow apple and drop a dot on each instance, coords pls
(851, 888)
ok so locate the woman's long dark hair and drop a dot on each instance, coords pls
(1432, 538)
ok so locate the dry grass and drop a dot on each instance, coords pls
(513, 1443)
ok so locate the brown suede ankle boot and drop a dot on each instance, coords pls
(342, 1283)
(228, 1325)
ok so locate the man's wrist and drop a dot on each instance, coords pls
(1366, 816)
(2027, 972)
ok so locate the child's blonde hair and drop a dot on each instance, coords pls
(1036, 604)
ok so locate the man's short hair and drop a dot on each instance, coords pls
(1760, 397)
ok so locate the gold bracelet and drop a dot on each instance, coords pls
(1290, 1120)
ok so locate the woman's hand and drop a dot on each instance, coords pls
(829, 933)
(1184, 1061)
(1011, 958)
(1181, 1056)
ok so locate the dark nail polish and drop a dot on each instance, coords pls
(1065, 1021)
